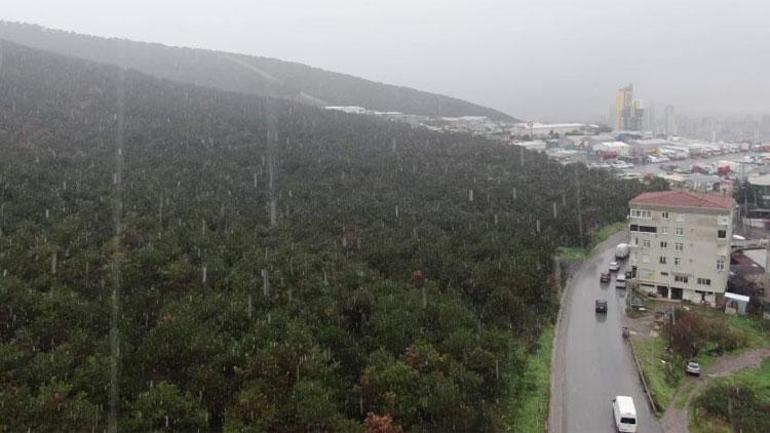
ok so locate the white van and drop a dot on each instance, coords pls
(624, 412)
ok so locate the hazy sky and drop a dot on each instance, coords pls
(537, 59)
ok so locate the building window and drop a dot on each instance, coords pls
(664, 244)
(704, 281)
(634, 213)
(664, 214)
(677, 260)
(679, 246)
(662, 260)
(680, 231)
(640, 213)
(721, 234)
(648, 229)
(634, 228)
(720, 264)
(646, 243)
(680, 279)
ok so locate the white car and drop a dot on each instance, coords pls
(614, 267)
(693, 368)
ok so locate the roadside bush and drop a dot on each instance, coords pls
(691, 333)
(722, 337)
(686, 333)
(739, 405)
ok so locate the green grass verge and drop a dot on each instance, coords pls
(605, 232)
(530, 412)
(662, 378)
(574, 253)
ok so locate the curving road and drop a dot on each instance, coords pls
(592, 363)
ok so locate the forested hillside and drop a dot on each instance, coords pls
(246, 74)
(269, 266)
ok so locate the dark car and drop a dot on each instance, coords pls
(605, 277)
(601, 306)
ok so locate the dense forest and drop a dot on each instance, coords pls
(253, 264)
(246, 74)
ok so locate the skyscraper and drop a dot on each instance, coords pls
(629, 114)
(623, 101)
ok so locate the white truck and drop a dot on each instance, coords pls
(621, 251)
(624, 413)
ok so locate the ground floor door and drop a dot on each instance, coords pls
(676, 293)
(663, 291)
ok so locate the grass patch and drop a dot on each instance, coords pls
(605, 232)
(662, 378)
(572, 253)
(683, 393)
(739, 402)
(708, 425)
(531, 409)
(576, 253)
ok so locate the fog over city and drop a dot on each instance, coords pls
(534, 59)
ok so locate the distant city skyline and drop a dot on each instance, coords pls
(552, 60)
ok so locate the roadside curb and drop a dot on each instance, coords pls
(553, 422)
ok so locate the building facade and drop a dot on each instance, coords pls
(681, 243)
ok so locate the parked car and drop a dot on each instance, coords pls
(614, 267)
(620, 281)
(601, 305)
(693, 368)
(605, 277)
(637, 303)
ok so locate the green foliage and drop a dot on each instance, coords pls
(164, 408)
(741, 402)
(230, 323)
(530, 413)
(694, 333)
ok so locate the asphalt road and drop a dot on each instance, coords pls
(592, 362)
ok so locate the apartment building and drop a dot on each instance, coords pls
(680, 244)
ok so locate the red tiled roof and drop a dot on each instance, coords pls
(685, 199)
